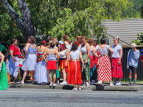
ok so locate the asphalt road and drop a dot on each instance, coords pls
(66, 98)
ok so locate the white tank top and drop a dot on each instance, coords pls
(83, 49)
(63, 54)
(68, 47)
(75, 54)
(91, 52)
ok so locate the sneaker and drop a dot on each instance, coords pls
(119, 83)
(87, 84)
(130, 84)
(114, 82)
(51, 85)
(22, 82)
(111, 85)
(63, 83)
(134, 83)
(17, 81)
(58, 82)
(74, 89)
(91, 83)
(79, 88)
(99, 82)
(54, 85)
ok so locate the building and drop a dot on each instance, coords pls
(126, 29)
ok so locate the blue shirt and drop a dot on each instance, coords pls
(133, 57)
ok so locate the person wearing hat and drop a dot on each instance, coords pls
(132, 62)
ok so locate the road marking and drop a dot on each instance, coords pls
(115, 93)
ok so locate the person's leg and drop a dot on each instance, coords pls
(54, 76)
(24, 76)
(130, 74)
(50, 77)
(15, 68)
(120, 79)
(135, 75)
(33, 75)
(115, 80)
(64, 74)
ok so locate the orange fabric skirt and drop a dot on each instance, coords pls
(51, 65)
(75, 73)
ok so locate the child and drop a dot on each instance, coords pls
(132, 62)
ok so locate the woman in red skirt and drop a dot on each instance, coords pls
(116, 62)
(52, 64)
(75, 70)
(104, 73)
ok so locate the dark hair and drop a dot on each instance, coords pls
(65, 37)
(95, 41)
(52, 45)
(41, 43)
(32, 39)
(74, 47)
(13, 40)
(103, 41)
(90, 41)
(79, 39)
(83, 37)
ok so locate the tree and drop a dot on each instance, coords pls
(58, 17)
(25, 25)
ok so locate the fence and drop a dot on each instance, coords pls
(124, 62)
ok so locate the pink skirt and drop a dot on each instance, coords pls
(52, 65)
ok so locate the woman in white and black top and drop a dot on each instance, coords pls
(75, 70)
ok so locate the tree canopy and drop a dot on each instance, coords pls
(58, 17)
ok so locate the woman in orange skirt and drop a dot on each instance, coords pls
(63, 63)
(75, 70)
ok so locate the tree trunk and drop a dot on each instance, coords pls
(25, 25)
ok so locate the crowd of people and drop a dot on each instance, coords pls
(82, 62)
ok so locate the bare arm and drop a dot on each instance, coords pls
(110, 50)
(27, 46)
(11, 54)
(121, 53)
(88, 51)
(80, 55)
(58, 55)
(2, 58)
(67, 54)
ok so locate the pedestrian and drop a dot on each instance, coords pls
(51, 63)
(85, 50)
(57, 60)
(3, 74)
(132, 62)
(78, 40)
(2, 49)
(67, 42)
(15, 56)
(30, 61)
(93, 70)
(75, 71)
(104, 73)
(63, 62)
(116, 61)
(41, 72)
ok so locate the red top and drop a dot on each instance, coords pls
(141, 58)
(16, 50)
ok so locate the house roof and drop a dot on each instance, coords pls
(126, 29)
